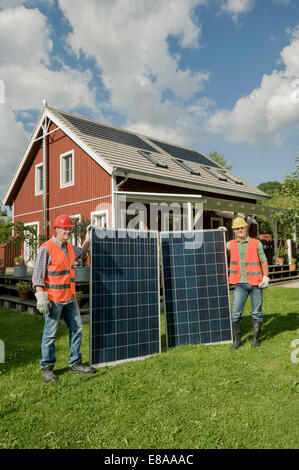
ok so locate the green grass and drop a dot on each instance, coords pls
(190, 397)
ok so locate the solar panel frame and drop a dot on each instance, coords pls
(185, 154)
(139, 234)
(192, 298)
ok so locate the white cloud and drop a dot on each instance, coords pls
(25, 51)
(236, 7)
(271, 111)
(129, 41)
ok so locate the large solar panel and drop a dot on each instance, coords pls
(196, 294)
(125, 296)
(185, 154)
(96, 129)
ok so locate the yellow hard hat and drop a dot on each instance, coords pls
(239, 222)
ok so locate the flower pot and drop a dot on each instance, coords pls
(20, 271)
(292, 267)
(24, 294)
(82, 274)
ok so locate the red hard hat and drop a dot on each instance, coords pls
(63, 220)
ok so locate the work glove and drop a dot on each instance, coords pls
(43, 303)
(264, 283)
(223, 229)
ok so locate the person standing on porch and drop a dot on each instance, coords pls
(249, 273)
(54, 281)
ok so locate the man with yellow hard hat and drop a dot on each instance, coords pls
(249, 274)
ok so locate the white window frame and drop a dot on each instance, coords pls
(72, 238)
(31, 262)
(38, 168)
(103, 213)
(63, 184)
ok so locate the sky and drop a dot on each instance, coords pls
(208, 74)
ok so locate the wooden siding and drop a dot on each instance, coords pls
(91, 183)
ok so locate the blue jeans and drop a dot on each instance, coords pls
(241, 293)
(71, 314)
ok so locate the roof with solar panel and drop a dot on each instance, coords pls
(121, 150)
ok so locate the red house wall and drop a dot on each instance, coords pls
(91, 183)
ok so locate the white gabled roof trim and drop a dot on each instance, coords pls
(47, 113)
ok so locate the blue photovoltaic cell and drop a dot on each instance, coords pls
(125, 296)
(196, 294)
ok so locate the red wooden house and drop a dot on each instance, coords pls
(81, 167)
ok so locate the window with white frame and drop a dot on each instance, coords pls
(99, 219)
(67, 169)
(75, 238)
(31, 231)
(39, 182)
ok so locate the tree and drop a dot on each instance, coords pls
(286, 196)
(219, 158)
(270, 187)
(5, 230)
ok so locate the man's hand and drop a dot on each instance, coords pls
(43, 303)
(88, 230)
(264, 283)
(223, 229)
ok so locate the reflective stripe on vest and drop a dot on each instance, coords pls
(252, 263)
(60, 276)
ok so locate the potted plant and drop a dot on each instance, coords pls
(281, 255)
(81, 270)
(79, 294)
(20, 268)
(292, 264)
(23, 288)
(2, 268)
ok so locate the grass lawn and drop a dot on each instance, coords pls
(190, 397)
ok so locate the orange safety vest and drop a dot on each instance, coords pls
(252, 262)
(60, 275)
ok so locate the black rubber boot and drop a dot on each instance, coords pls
(256, 326)
(236, 335)
(79, 368)
(48, 374)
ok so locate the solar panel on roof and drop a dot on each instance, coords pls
(95, 129)
(196, 294)
(184, 154)
(125, 295)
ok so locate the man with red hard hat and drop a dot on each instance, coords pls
(54, 281)
(249, 274)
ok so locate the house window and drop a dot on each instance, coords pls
(186, 166)
(67, 169)
(99, 219)
(154, 159)
(39, 182)
(31, 242)
(217, 173)
(75, 238)
(231, 177)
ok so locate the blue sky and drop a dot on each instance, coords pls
(210, 74)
